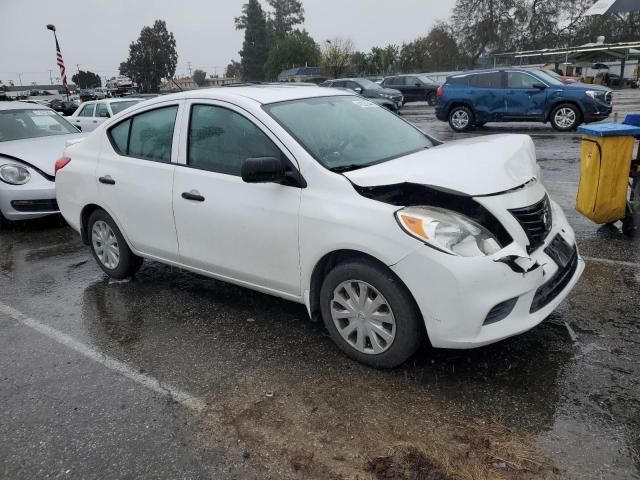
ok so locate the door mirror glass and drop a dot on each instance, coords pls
(357, 90)
(263, 170)
(539, 86)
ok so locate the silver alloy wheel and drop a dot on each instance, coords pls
(460, 119)
(565, 117)
(105, 244)
(363, 317)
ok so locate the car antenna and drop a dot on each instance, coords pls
(174, 82)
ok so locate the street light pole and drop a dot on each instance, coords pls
(59, 58)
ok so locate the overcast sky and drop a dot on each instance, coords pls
(96, 33)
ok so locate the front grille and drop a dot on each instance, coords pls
(31, 206)
(536, 221)
(550, 290)
(500, 311)
(608, 97)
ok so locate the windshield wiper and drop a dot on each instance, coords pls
(347, 168)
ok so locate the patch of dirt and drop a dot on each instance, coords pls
(409, 464)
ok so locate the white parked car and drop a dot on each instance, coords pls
(323, 198)
(91, 114)
(32, 138)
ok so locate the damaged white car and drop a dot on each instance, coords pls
(324, 198)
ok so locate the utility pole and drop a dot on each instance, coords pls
(20, 79)
(50, 77)
(78, 67)
(189, 65)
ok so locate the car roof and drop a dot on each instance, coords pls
(18, 105)
(262, 94)
(491, 70)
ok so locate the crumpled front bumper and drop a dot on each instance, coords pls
(455, 294)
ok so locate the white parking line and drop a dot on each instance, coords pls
(612, 262)
(179, 396)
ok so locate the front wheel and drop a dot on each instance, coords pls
(565, 117)
(461, 119)
(109, 247)
(370, 314)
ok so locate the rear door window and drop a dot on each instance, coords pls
(148, 135)
(486, 80)
(101, 110)
(87, 110)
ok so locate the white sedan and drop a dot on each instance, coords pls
(90, 114)
(323, 198)
(32, 137)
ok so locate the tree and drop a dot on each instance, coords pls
(152, 58)
(285, 16)
(86, 79)
(254, 48)
(336, 55)
(295, 50)
(442, 52)
(359, 63)
(200, 77)
(233, 70)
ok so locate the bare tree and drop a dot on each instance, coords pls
(336, 56)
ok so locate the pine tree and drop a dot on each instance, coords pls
(254, 48)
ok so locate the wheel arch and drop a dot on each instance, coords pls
(330, 260)
(561, 101)
(459, 103)
(86, 212)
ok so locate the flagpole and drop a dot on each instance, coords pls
(62, 74)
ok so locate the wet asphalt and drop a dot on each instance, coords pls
(92, 371)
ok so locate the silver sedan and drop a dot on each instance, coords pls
(32, 138)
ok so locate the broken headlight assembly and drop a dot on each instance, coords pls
(447, 231)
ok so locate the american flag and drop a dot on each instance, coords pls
(60, 62)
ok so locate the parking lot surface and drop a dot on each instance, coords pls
(173, 375)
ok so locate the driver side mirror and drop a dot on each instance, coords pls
(263, 170)
(357, 90)
(539, 86)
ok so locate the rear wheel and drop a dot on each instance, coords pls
(461, 118)
(109, 247)
(370, 314)
(565, 117)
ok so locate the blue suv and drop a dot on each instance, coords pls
(471, 99)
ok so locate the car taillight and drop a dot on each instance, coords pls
(440, 91)
(61, 163)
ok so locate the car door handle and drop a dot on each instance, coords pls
(193, 195)
(107, 180)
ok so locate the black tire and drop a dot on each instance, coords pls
(409, 326)
(128, 263)
(432, 99)
(457, 115)
(564, 127)
(631, 226)
(3, 221)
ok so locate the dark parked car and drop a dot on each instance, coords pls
(87, 94)
(387, 97)
(66, 107)
(471, 99)
(414, 88)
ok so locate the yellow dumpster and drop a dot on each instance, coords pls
(604, 171)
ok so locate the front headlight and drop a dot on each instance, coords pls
(595, 94)
(384, 95)
(14, 174)
(447, 231)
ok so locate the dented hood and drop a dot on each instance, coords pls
(474, 166)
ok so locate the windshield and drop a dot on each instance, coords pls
(426, 79)
(21, 124)
(346, 132)
(546, 76)
(117, 107)
(368, 84)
